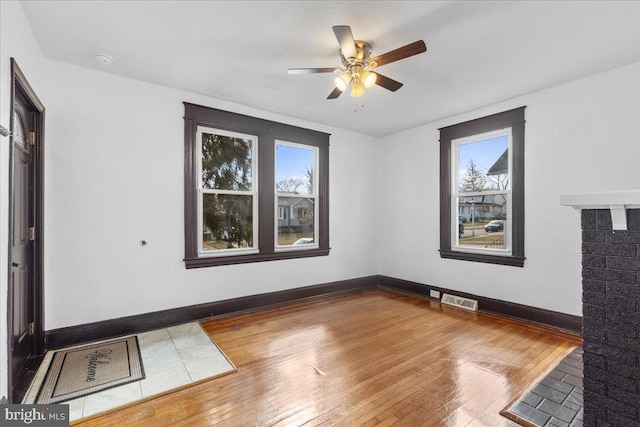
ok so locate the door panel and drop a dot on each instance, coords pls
(21, 200)
(22, 342)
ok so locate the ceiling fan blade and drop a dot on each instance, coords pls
(387, 83)
(314, 70)
(345, 40)
(336, 93)
(400, 53)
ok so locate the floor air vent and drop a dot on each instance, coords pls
(466, 303)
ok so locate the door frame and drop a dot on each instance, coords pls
(19, 83)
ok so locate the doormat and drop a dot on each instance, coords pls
(80, 371)
(554, 401)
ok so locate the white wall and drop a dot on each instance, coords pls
(114, 176)
(17, 41)
(581, 136)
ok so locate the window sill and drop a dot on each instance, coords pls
(512, 261)
(245, 259)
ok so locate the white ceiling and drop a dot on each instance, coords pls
(479, 52)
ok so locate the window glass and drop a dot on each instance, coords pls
(18, 136)
(297, 225)
(481, 192)
(226, 161)
(483, 163)
(227, 199)
(483, 224)
(227, 221)
(294, 169)
(296, 219)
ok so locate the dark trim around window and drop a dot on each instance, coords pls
(515, 120)
(267, 132)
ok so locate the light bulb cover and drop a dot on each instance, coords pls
(357, 89)
(368, 78)
(342, 82)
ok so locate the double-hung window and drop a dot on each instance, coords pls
(255, 190)
(227, 192)
(296, 195)
(482, 189)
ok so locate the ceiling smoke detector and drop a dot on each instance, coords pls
(103, 58)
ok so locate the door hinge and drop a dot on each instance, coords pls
(32, 328)
(32, 233)
(32, 138)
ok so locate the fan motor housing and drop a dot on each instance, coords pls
(363, 52)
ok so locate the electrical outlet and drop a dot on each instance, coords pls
(434, 294)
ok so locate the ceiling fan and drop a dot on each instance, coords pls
(357, 64)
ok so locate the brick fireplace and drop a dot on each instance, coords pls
(611, 310)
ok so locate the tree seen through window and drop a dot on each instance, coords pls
(227, 200)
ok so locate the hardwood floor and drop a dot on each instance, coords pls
(371, 358)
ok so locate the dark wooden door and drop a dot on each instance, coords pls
(22, 237)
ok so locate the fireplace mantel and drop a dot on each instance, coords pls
(616, 201)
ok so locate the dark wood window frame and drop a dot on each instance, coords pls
(515, 120)
(267, 132)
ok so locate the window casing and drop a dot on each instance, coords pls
(487, 192)
(235, 221)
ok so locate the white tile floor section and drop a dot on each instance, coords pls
(172, 357)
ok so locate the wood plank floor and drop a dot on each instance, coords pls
(371, 358)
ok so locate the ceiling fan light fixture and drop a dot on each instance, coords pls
(357, 89)
(342, 81)
(355, 56)
(368, 78)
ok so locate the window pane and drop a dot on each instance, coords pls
(227, 221)
(18, 137)
(226, 162)
(484, 165)
(482, 221)
(296, 224)
(294, 170)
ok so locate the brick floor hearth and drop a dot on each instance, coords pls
(557, 400)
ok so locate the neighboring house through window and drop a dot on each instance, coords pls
(296, 194)
(482, 189)
(255, 190)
